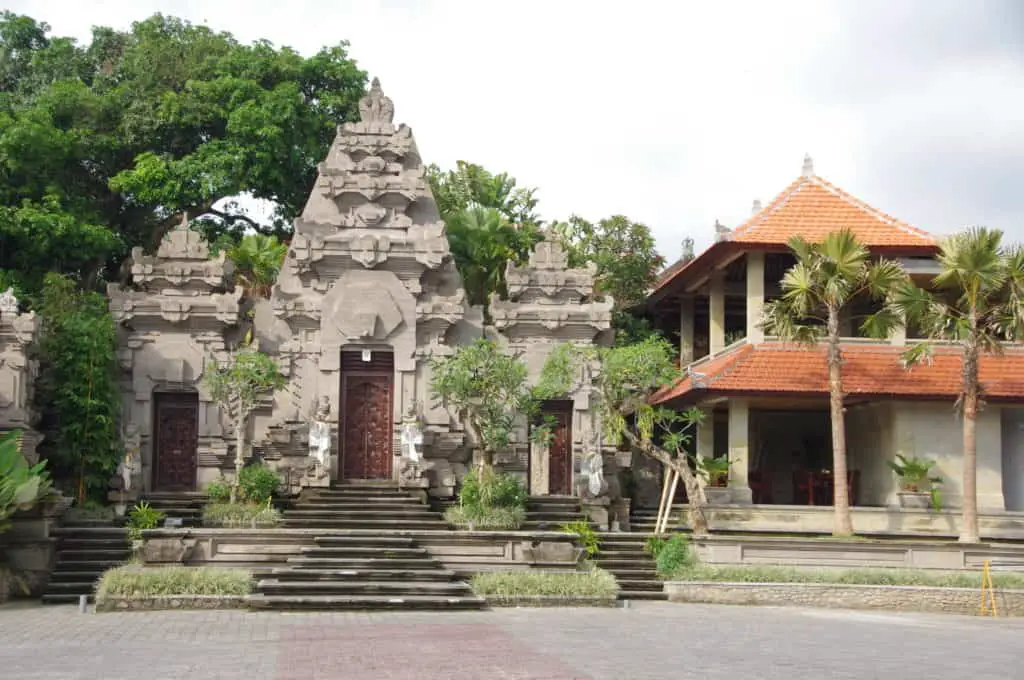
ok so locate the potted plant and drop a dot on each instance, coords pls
(715, 472)
(918, 486)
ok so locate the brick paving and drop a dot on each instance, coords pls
(648, 641)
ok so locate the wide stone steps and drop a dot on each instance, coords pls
(354, 564)
(275, 586)
(313, 574)
(84, 552)
(364, 602)
(347, 552)
(356, 523)
(623, 555)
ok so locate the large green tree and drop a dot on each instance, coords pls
(977, 303)
(103, 146)
(627, 265)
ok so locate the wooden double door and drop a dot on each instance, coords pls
(176, 441)
(559, 415)
(367, 430)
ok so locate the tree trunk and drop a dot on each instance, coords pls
(843, 523)
(239, 458)
(695, 499)
(969, 530)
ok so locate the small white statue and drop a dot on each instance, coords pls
(595, 473)
(412, 436)
(320, 434)
(131, 463)
(8, 303)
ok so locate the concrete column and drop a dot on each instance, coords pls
(755, 296)
(898, 336)
(739, 451)
(706, 441)
(716, 312)
(686, 331)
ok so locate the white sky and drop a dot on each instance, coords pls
(673, 113)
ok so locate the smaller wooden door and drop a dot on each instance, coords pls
(176, 441)
(560, 452)
(368, 437)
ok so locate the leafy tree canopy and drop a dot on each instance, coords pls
(102, 146)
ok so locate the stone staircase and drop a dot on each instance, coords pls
(549, 513)
(184, 505)
(84, 552)
(642, 520)
(361, 564)
(624, 556)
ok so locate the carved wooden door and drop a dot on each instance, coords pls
(368, 436)
(177, 441)
(560, 454)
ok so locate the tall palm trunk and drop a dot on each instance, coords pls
(239, 458)
(843, 523)
(969, 528)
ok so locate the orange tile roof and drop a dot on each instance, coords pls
(868, 369)
(812, 208)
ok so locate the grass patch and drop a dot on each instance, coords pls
(463, 517)
(135, 581)
(240, 515)
(592, 583)
(90, 512)
(871, 577)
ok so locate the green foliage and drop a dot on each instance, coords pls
(143, 517)
(238, 385)
(485, 488)
(257, 259)
(592, 583)
(219, 491)
(21, 485)
(672, 555)
(488, 390)
(135, 581)
(915, 473)
(77, 391)
(240, 515)
(588, 537)
(714, 470)
(103, 145)
(258, 484)
(89, 511)
(627, 263)
(485, 518)
(489, 222)
(867, 577)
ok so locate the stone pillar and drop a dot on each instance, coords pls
(686, 331)
(739, 451)
(716, 312)
(706, 441)
(755, 296)
(898, 336)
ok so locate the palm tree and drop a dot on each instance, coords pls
(978, 301)
(825, 278)
(258, 259)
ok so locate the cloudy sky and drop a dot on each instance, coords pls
(678, 113)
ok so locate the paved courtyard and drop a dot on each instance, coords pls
(646, 641)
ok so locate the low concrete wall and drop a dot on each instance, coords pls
(117, 604)
(823, 552)
(226, 547)
(802, 519)
(898, 598)
(471, 552)
(546, 601)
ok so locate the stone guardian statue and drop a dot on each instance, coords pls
(320, 436)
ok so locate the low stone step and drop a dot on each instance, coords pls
(622, 554)
(382, 524)
(632, 573)
(365, 541)
(99, 566)
(116, 543)
(640, 584)
(641, 595)
(392, 588)
(89, 575)
(345, 551)
(90, 555)
(345, 505)
(70, 587)
(65, 598)
(304, 574)
(358, 491)
(614, 564)
(364, 602)
(357, 563)
(356, 515)
(90, 532)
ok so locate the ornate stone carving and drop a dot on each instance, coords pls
(8, 303)
(376, 107)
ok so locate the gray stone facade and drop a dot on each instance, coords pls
(18, 370)
(368, 292)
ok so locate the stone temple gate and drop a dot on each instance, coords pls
(367, 296)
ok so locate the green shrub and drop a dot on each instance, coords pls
(876, 576)
(240, 515)
(536, 583)
(89, 511)
(671, 555)
(461, 516)
(135, 581)
(489, 489)
(258, 484)
(21, 485)
(143, 517)
(219, 491)
(588, 537)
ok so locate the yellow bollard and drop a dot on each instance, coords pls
(988, 591)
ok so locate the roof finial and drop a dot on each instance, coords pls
(756, 208)
(687, 253)
(808, 166)
(376, 107)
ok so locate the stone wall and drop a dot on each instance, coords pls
(18, 371)
(898, 598)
